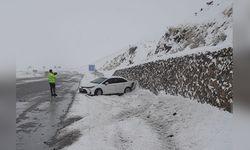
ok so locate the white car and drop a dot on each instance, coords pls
(106, 86)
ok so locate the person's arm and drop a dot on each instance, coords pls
(55, 77)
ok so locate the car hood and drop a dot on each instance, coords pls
(87, 85)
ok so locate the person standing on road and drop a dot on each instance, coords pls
(52, 82)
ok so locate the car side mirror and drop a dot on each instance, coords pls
(106, 83)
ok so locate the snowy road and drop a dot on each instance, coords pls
(39, 118)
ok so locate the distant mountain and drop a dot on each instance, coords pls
(210, 29)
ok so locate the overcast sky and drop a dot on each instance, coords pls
(73, 33)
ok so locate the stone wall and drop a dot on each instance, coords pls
(205, 77)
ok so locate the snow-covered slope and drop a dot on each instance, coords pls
(133, 54)
(207, 32)
(210, 29)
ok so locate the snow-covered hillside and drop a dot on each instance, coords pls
(210, 29)
(133, 54)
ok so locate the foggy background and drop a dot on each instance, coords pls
(73, 33)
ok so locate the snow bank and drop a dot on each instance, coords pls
(141, 120)
(196, 126)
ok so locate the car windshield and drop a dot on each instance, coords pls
(98, 80)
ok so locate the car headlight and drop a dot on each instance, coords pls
(89, 87)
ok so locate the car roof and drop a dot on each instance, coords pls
(116, 77)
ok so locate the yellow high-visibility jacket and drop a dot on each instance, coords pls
(51, 78)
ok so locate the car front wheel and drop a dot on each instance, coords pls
(127, 90)
(98, 92)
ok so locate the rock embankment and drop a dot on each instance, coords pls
(205, 77)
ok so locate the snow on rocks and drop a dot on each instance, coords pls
(142, 120)
(129, 56)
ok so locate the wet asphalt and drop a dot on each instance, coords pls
(41, 116)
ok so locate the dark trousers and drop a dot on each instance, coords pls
(52, 88)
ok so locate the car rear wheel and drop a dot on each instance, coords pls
(127, 90)
(98, 92)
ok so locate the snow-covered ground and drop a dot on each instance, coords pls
(142, 120)
(28, 74)
(31, 80)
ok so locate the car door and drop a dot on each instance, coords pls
(120, 85)
(110, 86)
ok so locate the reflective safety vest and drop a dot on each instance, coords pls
(51, 78)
